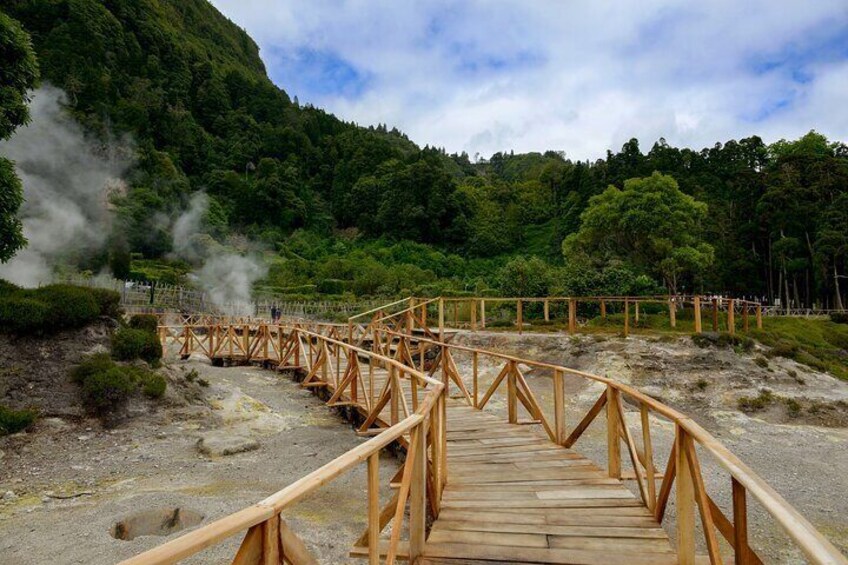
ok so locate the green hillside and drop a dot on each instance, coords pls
(190, 88)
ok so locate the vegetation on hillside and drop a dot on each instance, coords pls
(336, 205)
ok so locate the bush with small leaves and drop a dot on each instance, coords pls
(129, 344)
(14, 421)
(107, 391)
(108, 301)
(22, 316)
(839, 317)
(146, 322)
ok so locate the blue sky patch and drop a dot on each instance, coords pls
(312, 73)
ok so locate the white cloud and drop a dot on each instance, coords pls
(579, 76)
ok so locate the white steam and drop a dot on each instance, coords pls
(67, 180)
(226, 277)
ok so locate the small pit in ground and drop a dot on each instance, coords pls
(156, 522)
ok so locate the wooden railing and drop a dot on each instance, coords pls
(712, 313)
(682, 466)
(267, 537)
(403, 367)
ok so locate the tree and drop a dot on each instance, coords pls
(18, 74)
(650, 225)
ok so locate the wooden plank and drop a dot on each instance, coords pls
(543, 555)
(577, 530)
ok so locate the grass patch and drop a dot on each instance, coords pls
(14, 421)
(757, 403)
(818, 343)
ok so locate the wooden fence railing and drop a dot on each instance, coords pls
(338, 365)
(683, 465)
(402, 385)
(474, 313)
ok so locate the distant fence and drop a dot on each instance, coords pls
(145, 296)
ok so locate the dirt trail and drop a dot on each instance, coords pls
(73, 482)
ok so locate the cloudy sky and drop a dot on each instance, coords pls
(578, 76)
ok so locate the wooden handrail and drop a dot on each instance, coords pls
(265, 514)
(809, 540)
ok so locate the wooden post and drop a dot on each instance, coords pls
(759, 317)
(603, 309)
(572, 316)
(520, 315)
(418, 495)
(271, 540)
(745, 326)
(456, 314)
(649, 457)
(474, 314)
(374, 509)
(442, 320)
(410, 316)
(740, 523)
(512, 400)
(483, 313)
(697, 301)
(613, 434)
(559, 407)
(547, 311)
(672, 312)
(626, 317)
(731, 317)
(475, 377)
(636, 319)
(715, 314)
(685, 503)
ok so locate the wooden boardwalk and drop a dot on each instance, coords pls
(515, 497)
(481, 488)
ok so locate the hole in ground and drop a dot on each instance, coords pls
(157, 522)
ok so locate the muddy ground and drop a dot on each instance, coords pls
(73, 481)
(802, 454)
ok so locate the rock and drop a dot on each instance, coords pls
(55, 424)
(10, 496)
(217, 444)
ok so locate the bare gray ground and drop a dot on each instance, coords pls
(804, 463)
(152, 462)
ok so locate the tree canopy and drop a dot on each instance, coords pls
(18, 74)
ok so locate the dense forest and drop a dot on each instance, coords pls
(341, 208)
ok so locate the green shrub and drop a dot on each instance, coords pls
(203, 382)
(146, 322)
(761, 361)
(103, 382)
(129, 344)
(748, 404)
(192, 375)
(332, 286)
(22, 316)
(154, 385)
(839, 317)
(14, 421)
(106, 391)
(108, 301)
(68, 306)
(93, 364)
(7, 288)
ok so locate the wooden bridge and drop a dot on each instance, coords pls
(482, 483)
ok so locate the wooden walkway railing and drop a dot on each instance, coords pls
(475, 313)
(402, 384)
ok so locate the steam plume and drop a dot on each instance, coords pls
(67, 180)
